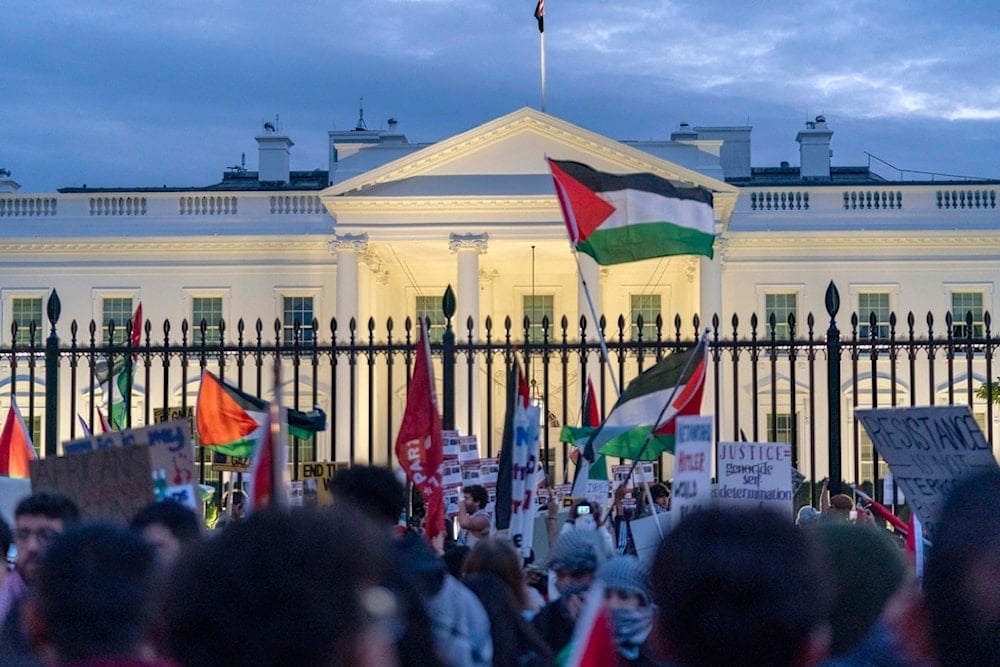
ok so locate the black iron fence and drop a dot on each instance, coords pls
(766, 380)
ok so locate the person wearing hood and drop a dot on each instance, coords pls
(629, 599)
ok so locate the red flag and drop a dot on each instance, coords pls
(262, 471)
(540, 15)
(105, 425)
(15, 444)
(419, 446)
(884, 512)
(593, 642)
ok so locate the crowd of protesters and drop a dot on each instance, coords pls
(347, 585)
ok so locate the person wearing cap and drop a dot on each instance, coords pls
(573, 560)
(629, 599)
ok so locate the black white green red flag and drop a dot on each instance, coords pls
(652, 402)
(626, 218)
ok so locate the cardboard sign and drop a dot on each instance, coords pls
(224, 463)
(692, 487)
(171, 451)
(928, 450)
(112, 483)
(755, 475)
(316, 478)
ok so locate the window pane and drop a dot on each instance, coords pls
(781, 427)
(297, 309)
(963, 303)
(536, 308)
(208, 309)
(24, 311)
(867, 453)
(117, 310)
(877, 303)
(647, 305)
(430, 307)
(781, 306)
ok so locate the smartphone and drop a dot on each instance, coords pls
(583, 509)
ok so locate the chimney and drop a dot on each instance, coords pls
(273, 157)
(814, 150)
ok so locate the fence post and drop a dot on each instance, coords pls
(448, 361)
(53, 309)
(833, 387)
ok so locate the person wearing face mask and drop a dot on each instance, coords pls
(629, 599)
(573, 562)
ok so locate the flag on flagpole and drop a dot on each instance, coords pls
(270, 460)
(117, 384)
(15, 444)
(589, 463)
(419, 443)
(233, 421)
(625, 218)
(84, 426)
(105, 426)
(540, 15)
(652, 402)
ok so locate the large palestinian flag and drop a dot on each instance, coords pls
(626, 218)
(652, 402)
(233, 421)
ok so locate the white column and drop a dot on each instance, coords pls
(709, 305)
(347, 247)
(467, 248)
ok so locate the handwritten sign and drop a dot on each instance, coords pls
(112, 483)
(928, 450)
(692, 487)
(755, 475)
(317, 479)
(171, 453)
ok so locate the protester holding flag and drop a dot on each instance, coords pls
(16, 449)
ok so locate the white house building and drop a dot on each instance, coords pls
(389, 225)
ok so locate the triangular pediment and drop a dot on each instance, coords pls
(506, 153)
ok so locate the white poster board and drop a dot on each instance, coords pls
(928, 450)
(524, 478)
(692, 487)
(756, 475)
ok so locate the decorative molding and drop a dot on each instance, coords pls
(200, 245)
(691, 264)
(476, 242)
(354, 242)
(488, 275)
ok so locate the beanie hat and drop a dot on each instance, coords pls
(576, 551)
(626, 573)
(807, 514)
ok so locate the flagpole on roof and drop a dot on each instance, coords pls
(540, 16)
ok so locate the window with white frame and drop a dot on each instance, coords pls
(877, 304)
(781, 427)
(867, 453)
(207, 309)
(649, 307)
(297, 310)
(962, 304)
(23, 312)
(117, 309)
(537, 307)
(781, 305)
(431, 308)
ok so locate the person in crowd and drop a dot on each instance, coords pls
(234, 511)
(962, 578)
(497, 555)
(574, 560)
(474, 522)
(629, 598)
(868, 570)
(741, 587)
(661, 496)
(583, 515)
(515, 641)
(807, 516)
(38, 520)
(455, 558)
(93, 599)
(308, 587)
(445, 620)
(167, 526)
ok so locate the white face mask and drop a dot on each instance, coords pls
(586, 521)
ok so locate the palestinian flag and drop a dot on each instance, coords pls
(233, 421)
(626, 218)
(593, 640)
(15, 444)
(589, 464)
(652, 402)
(116, 380)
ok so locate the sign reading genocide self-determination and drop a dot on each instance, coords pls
(928, 449)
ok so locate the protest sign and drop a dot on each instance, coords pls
(171, 453)
(692, 487)
(928, 450)
(525, 478)
(755, 475)
(112, 483)
(317, 479)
